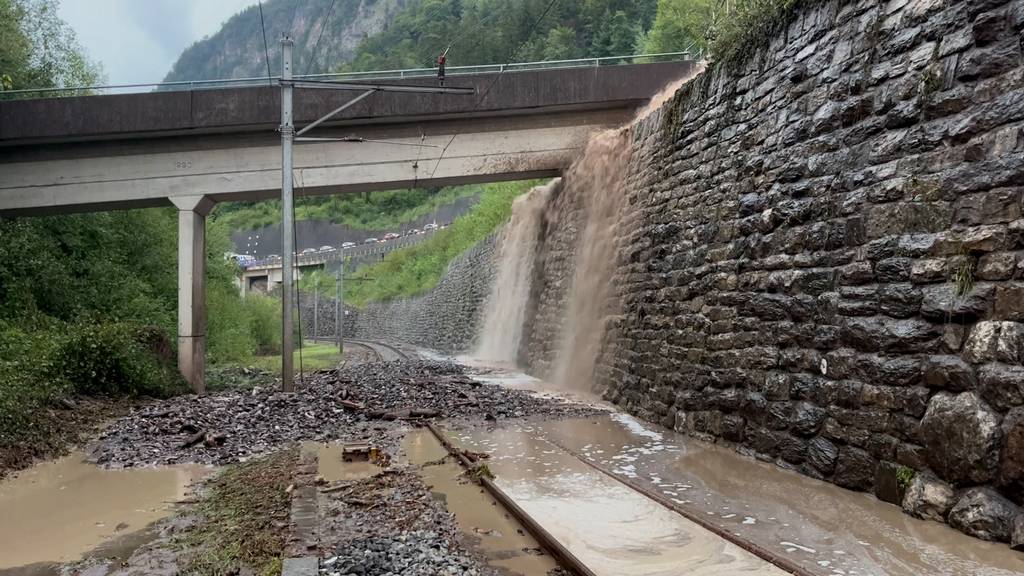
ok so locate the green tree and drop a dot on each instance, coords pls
(561, 44)
(680, 25)
(39, 50)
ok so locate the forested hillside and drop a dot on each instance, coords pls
(237, 50)
(389, 34)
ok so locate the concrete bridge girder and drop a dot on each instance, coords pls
(492, 150)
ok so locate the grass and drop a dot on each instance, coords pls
(417, 269)
(315, 356)
(243, 518)
(738, 34)
(372, 211)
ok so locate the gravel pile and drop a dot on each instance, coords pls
(420, 553)
(358, 402)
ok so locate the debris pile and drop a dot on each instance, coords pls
(362, 401)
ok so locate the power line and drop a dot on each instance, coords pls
(266, 49)
(480, 101)
(291, 21)
(323, 26)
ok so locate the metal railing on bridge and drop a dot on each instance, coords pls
(326, 256)
(354, 76)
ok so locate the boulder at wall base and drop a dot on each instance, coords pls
(961, 437)
(1011, 473)
(1017, 536)
(855, 469)
(928, 498)
(984, 513)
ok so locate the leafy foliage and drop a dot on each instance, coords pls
(737, 35)
(39, 50)
(679, 25)
(497, 31)
(417, 269)
(108, 359)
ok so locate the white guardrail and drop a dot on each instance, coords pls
(357, 251)
(357, 76)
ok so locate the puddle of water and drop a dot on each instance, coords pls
(333, 468)
(58, 511)
(498, 537)
(827, 529)
(611, 528)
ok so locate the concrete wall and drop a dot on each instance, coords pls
(822, 261)
(443, 319)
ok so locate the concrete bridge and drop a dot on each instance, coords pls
(195, 148)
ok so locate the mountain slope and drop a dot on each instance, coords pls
(236, 50)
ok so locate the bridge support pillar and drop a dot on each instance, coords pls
(192, 212)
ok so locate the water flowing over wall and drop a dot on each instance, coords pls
(502, 328)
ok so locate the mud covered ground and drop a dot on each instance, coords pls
(357, 402)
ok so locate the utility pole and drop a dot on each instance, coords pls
(288, 137)
(287, 225)
(339, 328)
(316, 312)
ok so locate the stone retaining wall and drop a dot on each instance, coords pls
(823, 262)
(445, 318)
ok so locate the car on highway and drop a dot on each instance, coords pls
(348, 245)
(370, 241)
(390, 236)
(429, 227)
(309, 251)
(326, 248)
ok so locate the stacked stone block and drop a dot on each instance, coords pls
(824, 256)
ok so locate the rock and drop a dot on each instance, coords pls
(1011, 471)
(984, 513)
(1017, 534)
(822, 454)
(948, 373)
(807, 418)
(961, 437)
(1001, 385)
(941, 303)
(997, 266)
(928, 498)
(855, 469)
(887, 485)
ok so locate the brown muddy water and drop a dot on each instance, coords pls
(612, 529)
(64, 510)
(333, 468)
(487, 527)
(826, 529)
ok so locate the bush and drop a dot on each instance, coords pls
(264, 315)
(107, 359)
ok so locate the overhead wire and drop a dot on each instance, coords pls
(323, 26)
(266, 49)
(291, 21)
(509, 58)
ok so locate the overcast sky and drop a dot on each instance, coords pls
(138, 40)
